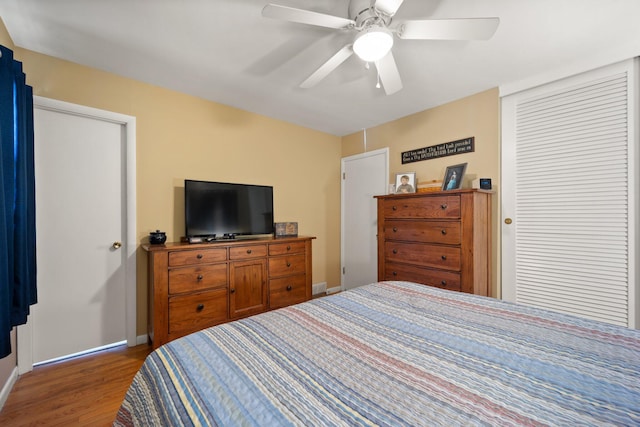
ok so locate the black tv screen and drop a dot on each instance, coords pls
(224, 210)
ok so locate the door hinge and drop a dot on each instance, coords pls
(343, 270)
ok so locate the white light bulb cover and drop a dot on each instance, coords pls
(373, 43)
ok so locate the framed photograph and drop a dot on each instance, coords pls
(453, 177)
(286, 229)
(405, 182)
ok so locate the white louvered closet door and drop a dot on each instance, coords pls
(570, 183)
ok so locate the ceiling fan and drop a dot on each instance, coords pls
(374, 28)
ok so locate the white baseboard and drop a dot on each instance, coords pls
(319, 288)
(142, 339)
(8, 386)
(334, 290)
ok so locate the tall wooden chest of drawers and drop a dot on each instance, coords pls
(440, 239)
(194, 286)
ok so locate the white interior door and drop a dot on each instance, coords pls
(570, 177)
(363, 176)
(85, 224)
(81, 293)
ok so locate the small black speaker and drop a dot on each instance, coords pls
(485, 183)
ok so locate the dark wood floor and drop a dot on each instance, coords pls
(84, 391)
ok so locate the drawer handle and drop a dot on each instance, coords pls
(443, 206)
(395, 229)
(288, 247)
(289, 287)
(248, 251)
(443, 283)
(444, 232)
(395, 251)
(200, 307)
(393, 208)
(288, 264)
(199, 256)
(395, 273)
(444, 257)
(232, 290)
(200, 277)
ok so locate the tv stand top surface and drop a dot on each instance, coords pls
(239, 240)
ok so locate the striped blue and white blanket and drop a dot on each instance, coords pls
(393, 353)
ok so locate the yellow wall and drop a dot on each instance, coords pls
(476, 116)
(5, 39)
(181, 136)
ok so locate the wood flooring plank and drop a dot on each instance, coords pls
(83, 391)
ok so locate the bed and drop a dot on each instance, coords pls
(393, 353)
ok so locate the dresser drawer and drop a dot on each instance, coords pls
(286, 248)
(424, 207)
(286, 265)
(440, 279)
(197, 278)
(287, 290)
(192, 312)
(424, 254)
(247, 252)
(196, 256)
(446, 232)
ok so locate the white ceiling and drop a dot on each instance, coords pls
(225, 51)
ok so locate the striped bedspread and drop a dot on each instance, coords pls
(393, 353)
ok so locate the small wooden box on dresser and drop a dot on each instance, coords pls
(195, 286)
(440, 239)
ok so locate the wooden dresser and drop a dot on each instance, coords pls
(440, 239)
(194, 286)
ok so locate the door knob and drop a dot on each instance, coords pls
(508, 220)
(116, 245)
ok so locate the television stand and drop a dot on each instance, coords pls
(195, 286)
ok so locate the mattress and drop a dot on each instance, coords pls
(393, 354)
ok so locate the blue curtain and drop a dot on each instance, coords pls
(17, 199)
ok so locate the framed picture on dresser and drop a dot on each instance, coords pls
(405, 182)
(453, 177)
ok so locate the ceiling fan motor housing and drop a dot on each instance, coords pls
(365, 14)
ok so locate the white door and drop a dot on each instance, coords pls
(84, 256)
(570, 176)
(363, 176)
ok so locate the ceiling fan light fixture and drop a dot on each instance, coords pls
(373, 43)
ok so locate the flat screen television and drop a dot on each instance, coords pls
(220, 210)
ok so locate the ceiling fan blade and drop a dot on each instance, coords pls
(390, 7)
(389, 75)
(324, 70)
(448, 29)
(305, 16)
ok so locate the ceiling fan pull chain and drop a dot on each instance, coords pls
(378, 83)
